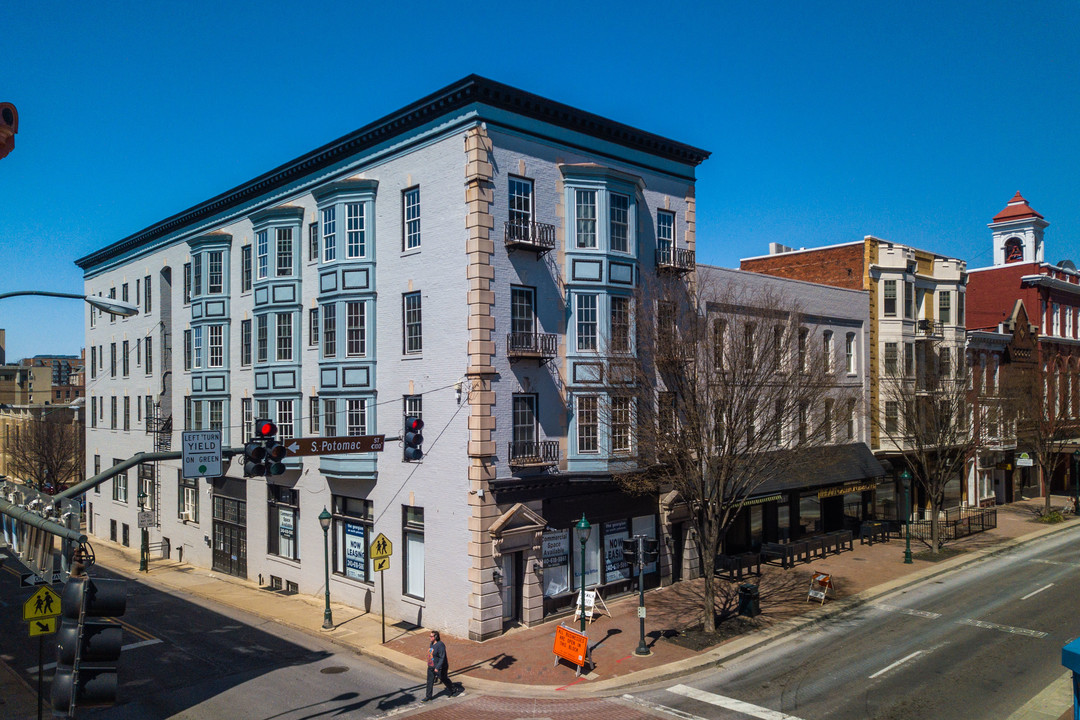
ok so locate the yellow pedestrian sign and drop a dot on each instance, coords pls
(382, 564)
(381, 548)
(42, 604)
(44, 626)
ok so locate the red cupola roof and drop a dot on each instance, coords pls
(1017, 208)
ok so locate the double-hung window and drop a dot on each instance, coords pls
(245, 268)
(313, 327)
(889, 295)
(621, 424)
(356, 417)
(522, 312)
(247, 418)
(355, 330)
(909, 300)
(262, 255)
(353, 527)
(214, 273)
(284, 252)
(330, 424)
(127, 412)
(216, 346)
(620, 324)
(827, 350)
(329, 234)
(410, 212)
(196, 275)
(112, 359)
(245, 342)
(849, 353)
(355, 240)
(216, 414)
(187, 503)
(891, 358)
(413, 335)
(284, 323)
(187, 283)
(313, 241)
(285, 419)
(524, 429)
(120, 484)
(329, 330)
(112, 412)
(665, 234)
(125, 360)
(586, 322)
(196, 347)
(187, 349)
(520, 207)
(945, 307)
(585, 215)
(149, 365)
(262, 339)
(313, 414)
(587, 420)
(146, 294)
(619, 226)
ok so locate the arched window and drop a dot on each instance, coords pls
(1014, 250)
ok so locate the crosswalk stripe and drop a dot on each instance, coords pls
(907, 611)
(730, 703)
(1004, 628)
(32, 670)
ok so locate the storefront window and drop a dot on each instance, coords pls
(615, 568)
(284, 506)
(556, 562)
(809, 514)
(592, 558)
(352, 533)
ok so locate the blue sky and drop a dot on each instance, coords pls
(915, 122)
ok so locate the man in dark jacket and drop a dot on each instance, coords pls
(437, 665)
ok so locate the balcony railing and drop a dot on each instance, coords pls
(543, 346)
(677, 260)
(930, 329)
(536, 236)
(534, 454)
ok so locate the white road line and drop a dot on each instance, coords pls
(901, 661)
(1004, 628)
(1054, 562)
(49, 666)
(730, 703)
(1032, 594)
(662, 708)
(908, 611)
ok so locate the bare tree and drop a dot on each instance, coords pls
(726, 391)
(924, 413)
(46, 448)
(1044, 422)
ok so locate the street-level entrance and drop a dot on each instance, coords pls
(230, 536)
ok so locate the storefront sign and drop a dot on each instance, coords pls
(1024, 460)
(775, 497)
(285, 523)
(615, 567)
(834, 491)
(354, 551)
(556, 548)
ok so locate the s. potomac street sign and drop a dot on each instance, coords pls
(335, 445)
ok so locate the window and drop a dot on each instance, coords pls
(621, 425)
(909, 359)
(851, 420)
(93, 412)
(585, 214)
(412, 522)
(892, 416)
(284, 252)
(849, 353)
(214, 274)
(891, 358)
(410, 211)
(413, 335)
(889, 295)
(355, 330)
(97, 471)
(196, 275)
(146, 294)
(313, 241)
(827, 349)
(587, 419)
(619, 227)
(945, 307)
(665, 233)
(120, 483)
(187, 501)
(127, 412)
(329, 235)
(524, 430)
(352, 527)
(520, 205)
(778, 347)
(284, 325)
(197, 415)
(112, 412)
(247, 418)
(945, 362)
(586, 322)
(196, 347)
(215, 345)
(148, 402)
(1056, 319)
(124, 292)
(284, 510)
(960, 307)
(330, 417)
(356, 417)
(313, 327)
(187, 283)
(262, 255)
(285, 419)
(216, 414)
(262, 340)
(803, 412)
(827, 420)
(355, 241)
(522, 310)
(620, 324)
(112, 360)
(245, 268)
(125, 363)
(909, 300)
(313, 414)
(245, 342)
(804, 335)
(719, 329)
(329, 330)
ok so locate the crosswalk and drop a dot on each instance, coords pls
(720, 701)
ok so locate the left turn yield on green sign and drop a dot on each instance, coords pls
(201, 453)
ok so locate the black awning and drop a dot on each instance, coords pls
(828, 465)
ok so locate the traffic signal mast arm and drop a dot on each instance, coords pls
(136, 459)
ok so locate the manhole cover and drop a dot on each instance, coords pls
(333, 670)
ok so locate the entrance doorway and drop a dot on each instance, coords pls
(512, 587)
(230, 536)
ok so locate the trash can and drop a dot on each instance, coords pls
(749, 600)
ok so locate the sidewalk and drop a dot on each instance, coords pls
(521, 664)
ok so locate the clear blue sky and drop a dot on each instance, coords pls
(915, 122)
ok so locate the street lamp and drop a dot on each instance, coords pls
(144, 549)
(584, 530)
(1076, 481)
(324, 520)
(905, 479)
(109, 305)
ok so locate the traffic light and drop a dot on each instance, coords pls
(275, 458)
(87, 650)
(254, 459)
(413, 439)
(629, 551)
(264, 456)
(651, 550)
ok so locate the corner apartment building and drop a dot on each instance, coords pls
(468, 259)
(916, 306)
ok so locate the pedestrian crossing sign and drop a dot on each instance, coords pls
(381, 547)
(382, 564)
(42, 604)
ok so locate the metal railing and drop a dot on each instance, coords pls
(677, 259)
(531, 235)
(543, 345)
(525, 454)
(955, 523)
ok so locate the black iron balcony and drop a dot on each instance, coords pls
(542, 346)
(530, 235)
(675, 260)
(533, 454)
(930, 329)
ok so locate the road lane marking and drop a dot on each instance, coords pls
(1032, 594)
(901, 661)
(1004, 628)
(730, 703)
(32, 670)
(675, 712)
(908, 611)
(1055, 562)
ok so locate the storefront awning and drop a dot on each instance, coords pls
(828, 465)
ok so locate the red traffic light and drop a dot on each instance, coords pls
(413, 424)
(265, 428)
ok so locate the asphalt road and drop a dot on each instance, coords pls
(974, 644)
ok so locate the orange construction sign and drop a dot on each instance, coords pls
(571, 645)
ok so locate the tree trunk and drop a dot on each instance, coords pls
(1046, 489)
(935, 525)
(708, 567)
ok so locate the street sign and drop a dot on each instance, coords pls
(45, 626)
(42, 604)
(146, 518)
(1024, 460)
(381, 547)
(33, 580)
(201, 453)
(299, 447)
(381, 564)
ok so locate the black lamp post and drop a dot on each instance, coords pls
(905, 478)
(144, 545)
(584, 530)
(324, 520)
(1076, 481)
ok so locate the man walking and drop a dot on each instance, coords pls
(437, 665)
